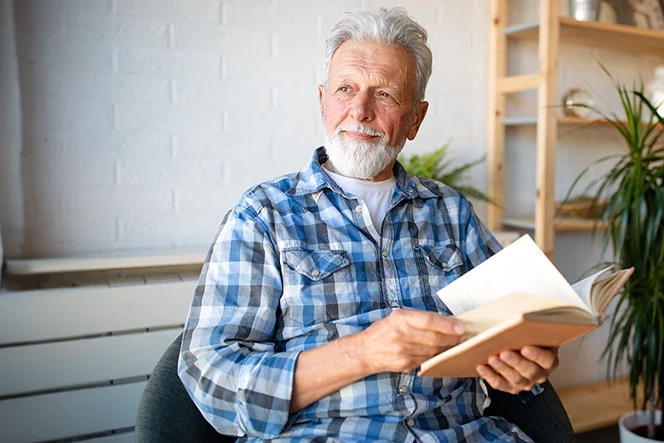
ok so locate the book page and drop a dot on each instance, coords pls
(516, 304)
(520, 267)
(606, 289)
(584, 287)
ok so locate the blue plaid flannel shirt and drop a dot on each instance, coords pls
(294, 266)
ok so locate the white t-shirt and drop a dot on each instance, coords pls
(376, 195)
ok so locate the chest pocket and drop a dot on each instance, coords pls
(446, 258)
(318, 286)
(438, 266)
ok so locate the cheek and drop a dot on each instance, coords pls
(333, 114)
(395, 124)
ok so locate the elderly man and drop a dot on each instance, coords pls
(317, 302)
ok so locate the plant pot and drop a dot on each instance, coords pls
(635, 420)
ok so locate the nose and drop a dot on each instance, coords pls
(362, 107)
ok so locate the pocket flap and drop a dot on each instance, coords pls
(445, 257)
(315, 265)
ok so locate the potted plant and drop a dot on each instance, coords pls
(436, 166)
(633, 221)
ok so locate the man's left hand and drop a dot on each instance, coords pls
(515, 372)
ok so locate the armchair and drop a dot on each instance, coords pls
(166, 413)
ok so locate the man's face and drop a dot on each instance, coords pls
(369, 102)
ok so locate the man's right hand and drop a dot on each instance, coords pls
(406, 338)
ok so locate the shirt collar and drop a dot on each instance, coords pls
(313, 178)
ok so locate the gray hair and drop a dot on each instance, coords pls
(389, 27)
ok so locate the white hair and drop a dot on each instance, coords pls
(388, 27)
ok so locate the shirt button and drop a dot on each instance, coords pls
(394, 304)
(410, 422)
(384, 253)
(315, 272)
(403, 389)
(358, 208)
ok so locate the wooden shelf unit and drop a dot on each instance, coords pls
(550, 32)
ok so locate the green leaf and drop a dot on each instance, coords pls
(437, 166)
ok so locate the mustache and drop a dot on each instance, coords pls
(361, 129)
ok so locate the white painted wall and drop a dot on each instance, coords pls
(144, 120)
(11, 193)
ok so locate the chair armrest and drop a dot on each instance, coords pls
(543, 418)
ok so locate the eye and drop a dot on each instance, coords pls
(384, 94)
(344, 88)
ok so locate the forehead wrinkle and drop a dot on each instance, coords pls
(358, 59)
(374, 78)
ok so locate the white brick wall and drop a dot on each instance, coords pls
(144, 120)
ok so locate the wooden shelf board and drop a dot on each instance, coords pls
(562, 224)
(106, 261)
(564, 120)
(576, 121)
(599, 35)
(596, 405)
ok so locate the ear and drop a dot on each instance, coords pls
(420, 113)
(321, 97)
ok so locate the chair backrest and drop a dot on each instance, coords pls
(166, 413)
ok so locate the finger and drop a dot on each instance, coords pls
(432, 321)
(409, 358)
(545, 358)
(495, 380)
(434, 339)
(512, 376)
(524, 367)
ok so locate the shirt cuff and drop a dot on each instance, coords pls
(526, 396)
(264, 395)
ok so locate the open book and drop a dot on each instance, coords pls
(518, 298)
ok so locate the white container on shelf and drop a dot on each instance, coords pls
(584, 10)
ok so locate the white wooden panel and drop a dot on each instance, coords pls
(68, 414)
(128, 437)
(57, 365)
(71, 312)
(108, 260)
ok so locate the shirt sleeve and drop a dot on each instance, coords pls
(479, 245)
(228, 362)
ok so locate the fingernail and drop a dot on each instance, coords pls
(509, 356)
(458, 328)
(527, 352)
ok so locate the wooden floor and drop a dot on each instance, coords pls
(597, 405)
(603, 435)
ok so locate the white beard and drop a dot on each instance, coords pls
(357, 159)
